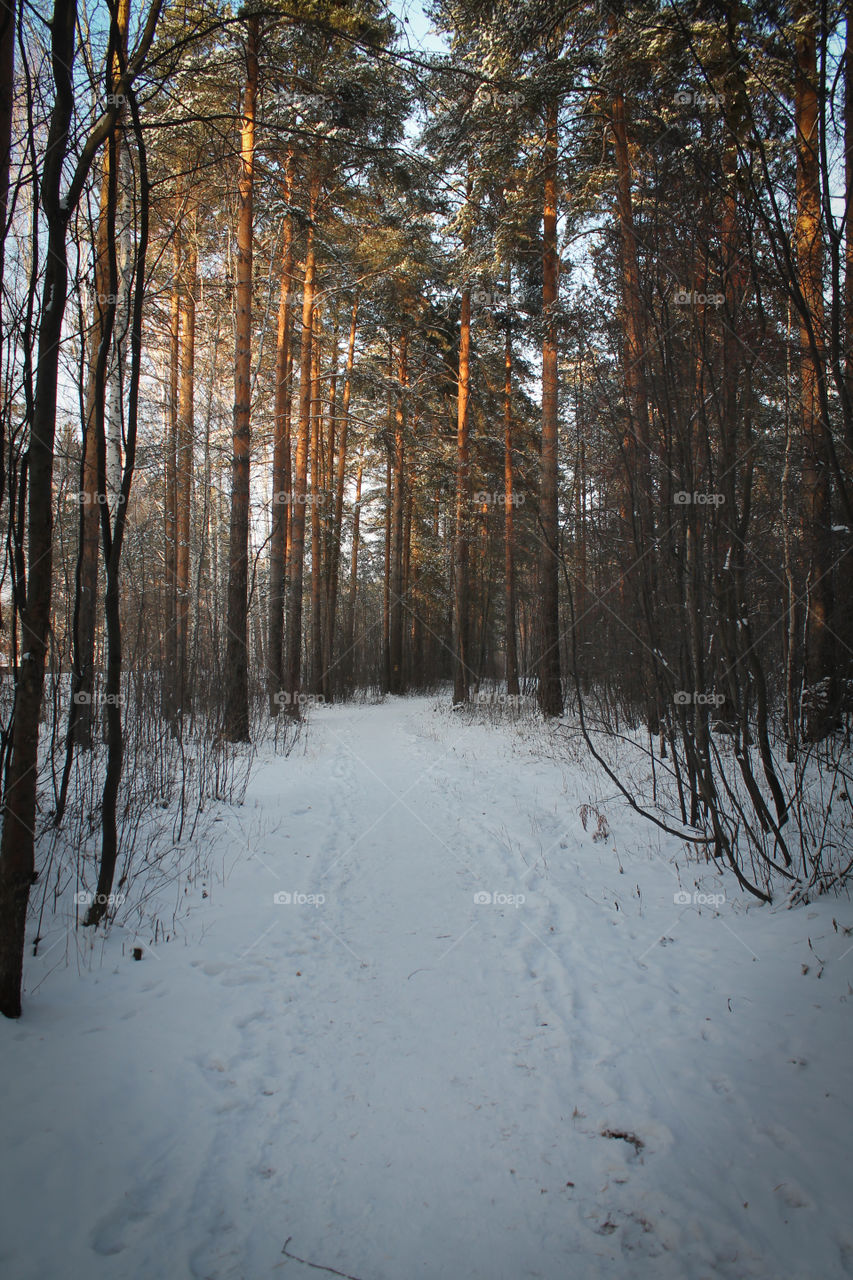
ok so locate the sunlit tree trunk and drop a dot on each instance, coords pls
(236, 727)
(281, 476)
(549, 685)
(317, 497)
(340, 478)
(512, 687)
(83, 677)
(819, 673)
(171, 494)
(348, 655)
(396, 684)
(183, 485)
(296, 566)
(461, 601)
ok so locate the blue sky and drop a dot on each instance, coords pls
(417, 26)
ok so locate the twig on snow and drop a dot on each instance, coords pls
(317, 1266)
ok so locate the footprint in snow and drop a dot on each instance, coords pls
(792, 1195)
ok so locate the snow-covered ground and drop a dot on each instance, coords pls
(579, 1077)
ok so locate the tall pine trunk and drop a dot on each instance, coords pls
(281, 477)
(550, 692)
(511, 646)
(461, 601)
(171, 494)
(17, 846)
(396, 680)
(236, 728)
(317, 494)
(300, 470)
(7, 76)
(348, 656)
(183, 484)
(340, 477)
(819, 673)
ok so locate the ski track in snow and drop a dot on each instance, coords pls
(411, 1084)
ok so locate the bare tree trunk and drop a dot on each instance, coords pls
(549, 685)
(236, 727)
(349, 636)
(317, 494)
(582, 596)
(461, 601)
(83, 683)
(83, 678)
(17, 846)
(183, 485)
(511, 647)
(638, 512)
(7, 77)
(281, 477)
(171, 496)
(386, 584)
(327, 516)
(116, 369)
(113, 541)
(819, 674)
(335, 549)
(848, 213)
(396, 682)
(300, 475)
(844, 625)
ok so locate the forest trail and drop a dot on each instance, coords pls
(583, 1078)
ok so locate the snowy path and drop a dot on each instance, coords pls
(409, 1083)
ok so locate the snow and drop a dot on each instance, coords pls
(402, 1081)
